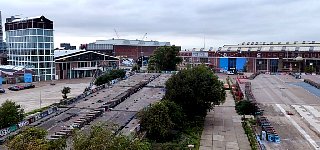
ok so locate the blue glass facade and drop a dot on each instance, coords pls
(31, 47)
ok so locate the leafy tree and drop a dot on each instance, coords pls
(165, 58)
(196, 90)
(11, 113)
(152, 64)
(156, 121)
(65, 91)
(113, 74)
(176, 114)
(102, 137)
(34, 139)
(245, 107)
(309, 69)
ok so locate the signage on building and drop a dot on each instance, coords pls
(199, 54)
(27, 77)
(1, 82)
(259, 55)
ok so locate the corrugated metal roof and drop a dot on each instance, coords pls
(132, 42)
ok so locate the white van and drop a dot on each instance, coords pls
(230, 73)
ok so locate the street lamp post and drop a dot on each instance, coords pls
(40, 85)
(141, 59)
(40, 89)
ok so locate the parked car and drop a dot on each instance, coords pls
(230, 73)
(29, 85)
(2, 90)
(21, 87)
(240, 73)
(14, 88)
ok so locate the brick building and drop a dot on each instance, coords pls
(259, 56)
(125, 48)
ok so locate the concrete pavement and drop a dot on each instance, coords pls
(223, 129)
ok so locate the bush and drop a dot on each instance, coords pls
(10, 113)
(113, 74)
(250, 134)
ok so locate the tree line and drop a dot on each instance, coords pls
(189, 95)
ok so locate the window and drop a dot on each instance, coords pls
(311, 48)
(40, 45)
(47, 45)
(39, 31)
(271, 48)
(47, 39)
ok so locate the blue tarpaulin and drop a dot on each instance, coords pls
(240, 62)
(27, 77)
(224, 63)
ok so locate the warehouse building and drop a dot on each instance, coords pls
(72, 64)
(259, 56)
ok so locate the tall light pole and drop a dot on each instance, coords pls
(40, 85)
(40, 89)
(141, 59)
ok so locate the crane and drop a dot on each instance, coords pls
(116, 33)
(144, 36)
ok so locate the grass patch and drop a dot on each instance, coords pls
(36, 110)
(190, 135)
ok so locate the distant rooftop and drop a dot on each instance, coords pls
(131, 42)
(58, 53)
(24, 19)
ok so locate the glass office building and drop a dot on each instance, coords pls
(1, 36)
(30, 44)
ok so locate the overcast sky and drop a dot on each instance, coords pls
(181, 22)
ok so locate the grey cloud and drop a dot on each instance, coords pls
(231, 21)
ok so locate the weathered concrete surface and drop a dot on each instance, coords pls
(223, 129)
(30, 98)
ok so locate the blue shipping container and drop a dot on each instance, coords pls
(224, 63)
(240, 63)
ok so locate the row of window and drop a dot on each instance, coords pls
(27, 39)
(30, 46)
(93, 46)
(271, 48)
(30, 52)
(48, 65)
(33, 58)
(21, 32)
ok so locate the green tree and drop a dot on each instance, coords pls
(176, 114)
(101, 137)
(11, 113)
(245, 107)
(165, 58)
(196, 90)
(34, 139)
(113, 74)
(309, 69)
(152, 64)
(157, 122)
(65, 91)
